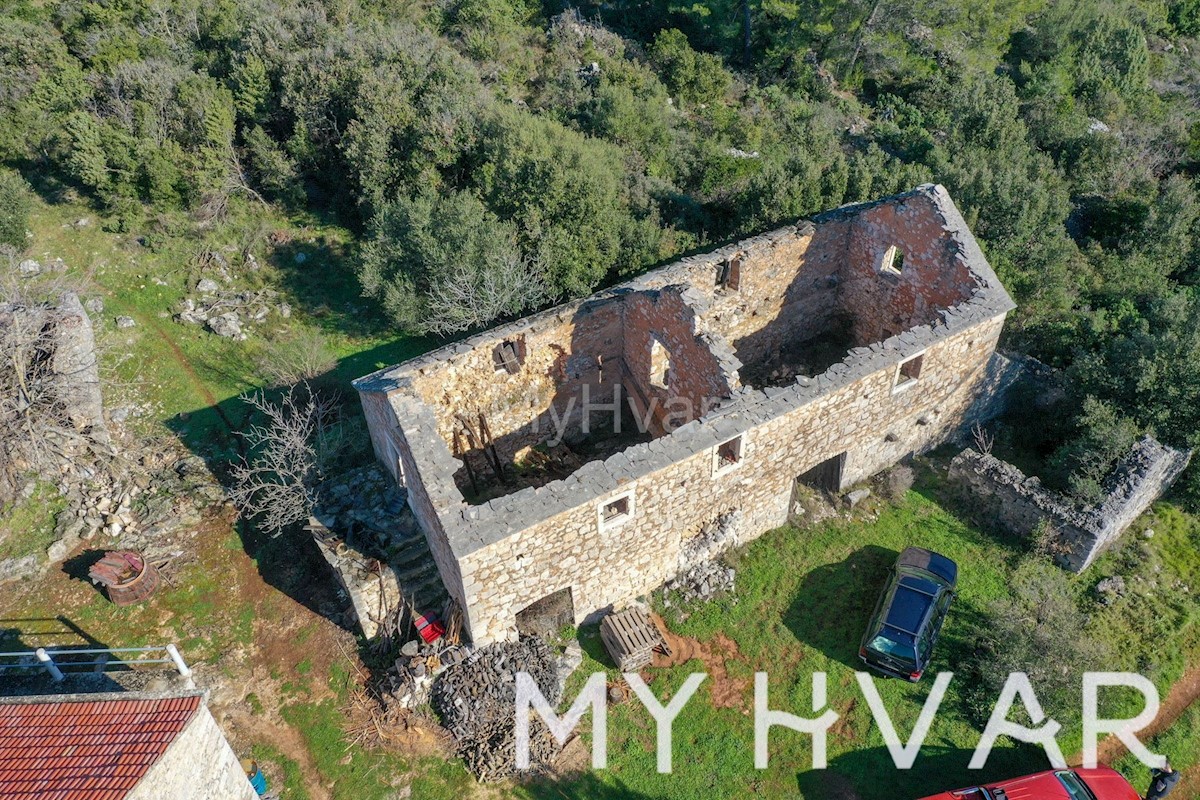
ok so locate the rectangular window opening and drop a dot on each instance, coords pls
(730, 275)
(509, 355)
(615, 511)
(727, 456)
(893, 260)
(909, 371)
(660, 364)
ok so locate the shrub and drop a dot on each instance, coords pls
(445, 263)
(301, 357)
(1038, 630)
(16, 201)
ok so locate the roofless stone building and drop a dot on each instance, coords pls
(567, 462)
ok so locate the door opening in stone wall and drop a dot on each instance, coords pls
(826, 476)
(546, 617)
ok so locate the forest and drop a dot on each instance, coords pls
(494, 156)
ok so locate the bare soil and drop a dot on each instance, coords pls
(727, 692)
(1185, 692)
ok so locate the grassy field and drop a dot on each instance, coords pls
(802, 602)
(246, 611)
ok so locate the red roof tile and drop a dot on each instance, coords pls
(89, 750)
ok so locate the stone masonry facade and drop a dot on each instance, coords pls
(898, 286)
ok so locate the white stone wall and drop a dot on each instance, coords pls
(199, 765)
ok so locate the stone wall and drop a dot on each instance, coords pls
(198, 765)
(505, 554)
(1021, 504)
(675, 492)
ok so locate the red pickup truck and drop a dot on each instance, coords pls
(1056, 784)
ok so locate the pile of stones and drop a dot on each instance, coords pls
(228, 313)
(476, 698)
(701, 583)
(701, 574)
(140, 509)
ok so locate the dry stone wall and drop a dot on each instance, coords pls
(1020, 503)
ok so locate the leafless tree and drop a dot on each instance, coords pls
(469, 297)
(292, 451)
(984, 441)
(50, 409)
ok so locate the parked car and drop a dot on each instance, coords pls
(908, 618)
(1056, 784)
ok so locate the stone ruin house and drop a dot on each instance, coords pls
(563, 464)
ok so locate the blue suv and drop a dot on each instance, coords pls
(908, 618)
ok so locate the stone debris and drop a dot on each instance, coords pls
(1110, 589)
(227, 325)
(227, 313)
(857, 496)
(94, 305)
(475, 700)
(702, 582)
(701, 575)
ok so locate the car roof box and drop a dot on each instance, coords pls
(930, 561)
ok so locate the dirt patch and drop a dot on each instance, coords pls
(727, 692)
(1185, 692)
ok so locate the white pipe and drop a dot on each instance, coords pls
(183, 668)
(48, 662)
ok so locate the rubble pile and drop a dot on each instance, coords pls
(701, 574)
(409, 680)
(476, 699)
(702, 582)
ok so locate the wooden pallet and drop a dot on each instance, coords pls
(631, 639)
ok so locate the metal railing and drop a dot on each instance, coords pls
(45, 658)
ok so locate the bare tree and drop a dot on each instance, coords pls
(468, 297)
(51, 412)
(984, 441)
(292, 453)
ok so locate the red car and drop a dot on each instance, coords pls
(1056, 784)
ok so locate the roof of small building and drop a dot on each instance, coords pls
(84, 748)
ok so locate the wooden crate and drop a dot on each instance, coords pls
(631, 639)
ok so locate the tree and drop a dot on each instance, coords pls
(16, 201)
(443, 263)
(292, 453)
(564, 192)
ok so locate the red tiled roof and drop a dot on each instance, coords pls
(89, 750)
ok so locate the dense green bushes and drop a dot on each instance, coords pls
(573, 148)
(16, 200)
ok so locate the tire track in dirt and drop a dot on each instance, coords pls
(194, 377)
(1185, 692)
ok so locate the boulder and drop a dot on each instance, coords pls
(126, 322)
(227, 325)
(207, 286)
(29, 268)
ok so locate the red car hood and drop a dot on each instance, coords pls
(1104, 783)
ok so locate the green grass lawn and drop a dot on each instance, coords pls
(802, 602)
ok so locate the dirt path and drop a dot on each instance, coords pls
(1185, 692)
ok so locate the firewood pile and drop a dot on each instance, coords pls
(476, 701)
